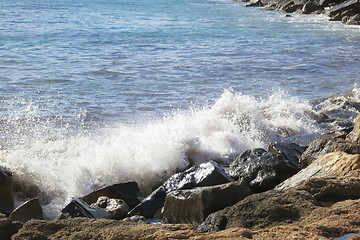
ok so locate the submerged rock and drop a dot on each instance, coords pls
(117, 208)
(206, 174)
(129, 192)
(194, 205)
(262, 170)
(28, 210)
(78, 208)
(6, 191)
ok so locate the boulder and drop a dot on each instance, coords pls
(320, 147)
(262, 170)
(206, 174)
(8, 227)
(194, 205)
(342, 7)
(78, 208)
(311, 7)
(129, 192)
(6, 191)
(354, 135)
(254, 3)
(353, 20)
(28, 210)
(336, 164)
(261, 210)
(116, 207)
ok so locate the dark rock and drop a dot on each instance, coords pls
(129, 192)
(321, 147)
(78, 208)
(206, 174)
(6, 191)
(291, 152)
(266, 209)
(353, 20)
(328, 3)
(28, 210)
(151, 204)
(8, 227)
(342, 7)
(261, 170)
(117, 208)
(193, 206)
(254, 3)
(311, 7)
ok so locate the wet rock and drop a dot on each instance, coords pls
(194, 205)
(6, 191)
(266, 209)
(354, 5)
(206, 174)
(129, 192)
(352, 20)
(321, 147)
(354, 135)
(117, 208)
(262, 170)
(8, 227)
(78, 208)
(254, 3)
(28, 210)
(332, 164)
(311, 7)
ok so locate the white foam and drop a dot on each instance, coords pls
(149, 152)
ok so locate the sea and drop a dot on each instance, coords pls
(99, 92)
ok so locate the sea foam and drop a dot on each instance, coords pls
(150, 151)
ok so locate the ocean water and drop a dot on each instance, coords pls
(99, 92)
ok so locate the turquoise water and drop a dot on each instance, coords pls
(99, 92)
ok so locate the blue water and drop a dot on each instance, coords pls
(92, 91)
(114, 60)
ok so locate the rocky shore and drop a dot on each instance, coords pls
(348, 11)
(299, 188)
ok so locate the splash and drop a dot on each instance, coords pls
(151, 151)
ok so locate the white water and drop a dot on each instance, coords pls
(149, 152)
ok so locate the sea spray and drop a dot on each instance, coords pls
(151, 151)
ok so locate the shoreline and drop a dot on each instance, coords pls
(347, 12)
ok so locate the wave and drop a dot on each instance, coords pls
(150, 151)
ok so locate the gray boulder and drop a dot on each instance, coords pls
(28, 210)
(206, 174)
(78, 208)
(194, 205)
(262, 170)
(6, 191)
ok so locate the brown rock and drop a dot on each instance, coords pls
(332, 164)
(8, 227)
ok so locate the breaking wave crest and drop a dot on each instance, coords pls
(150, 151)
